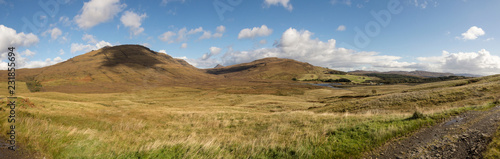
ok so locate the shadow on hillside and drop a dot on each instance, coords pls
(131, 56)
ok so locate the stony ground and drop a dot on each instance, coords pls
(464, 136)
(20, 152)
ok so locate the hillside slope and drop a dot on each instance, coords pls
(424, 74)
(113, 69)
(270, 68)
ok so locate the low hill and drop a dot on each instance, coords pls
(270, 68)
(424, 74)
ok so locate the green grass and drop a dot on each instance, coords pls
(353, 78)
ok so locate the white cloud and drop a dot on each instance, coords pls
(213, 51)
(165, 2)
(89, 38)
(167, 36)
(183, 34)
(255, 32)
(22, 62)
(285, 3)
(162, 51)
(489, 39)
(346, 2)
(64, 20)
(481, 62)
(263, 41)
(61, 52)
(184, 45)
(473, 33)
(221, 29)
(208, 34)
(38, 64)
(54, 33)
(146, 44)
(10, 38)
(28, 52)
(98, 11)
(341, 28)
(194, 31)
(300, 45)
(424, 3)
(133, 21)
(76, 47)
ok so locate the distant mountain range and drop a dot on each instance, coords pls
(424, 74)
(126, 67)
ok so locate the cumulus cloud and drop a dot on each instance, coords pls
(9, 37)
(213, 51)
(28, 52)
(255, 32)
(89, 38)
(162, 51)
(301, 46)
(341, 28)
(424, 3)
(481, 62)
(98, 11)
(61, 52)
(221, 29)
(184, 45)
(473, 33)
(64, 20)
(133, 21)
(92, 44)
(208, 34)
(346, 2)
(167, 36)
(23, 62)
(285, 3)
(38, 64)
(263, 41)
(54, 33)
(183, 34)
(165, 2)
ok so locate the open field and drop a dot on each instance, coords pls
(225, 122)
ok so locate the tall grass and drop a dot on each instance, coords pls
(178, 122)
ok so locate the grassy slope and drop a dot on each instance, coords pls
(493, 150)
(271, 68)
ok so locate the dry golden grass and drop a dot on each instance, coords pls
(209, 122)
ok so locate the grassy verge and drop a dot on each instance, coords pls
(493, 149)
(66, 129)
(352, 142)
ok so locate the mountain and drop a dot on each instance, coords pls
(424, 74)
(112, 69)
(269, 68)
(218, 66)
(468, 75)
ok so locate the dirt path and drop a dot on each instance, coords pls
(465, 136)
(20, 153)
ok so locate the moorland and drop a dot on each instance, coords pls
(131, 102)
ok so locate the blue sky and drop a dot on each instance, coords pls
(457, 36)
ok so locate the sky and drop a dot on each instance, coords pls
(456, 36)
